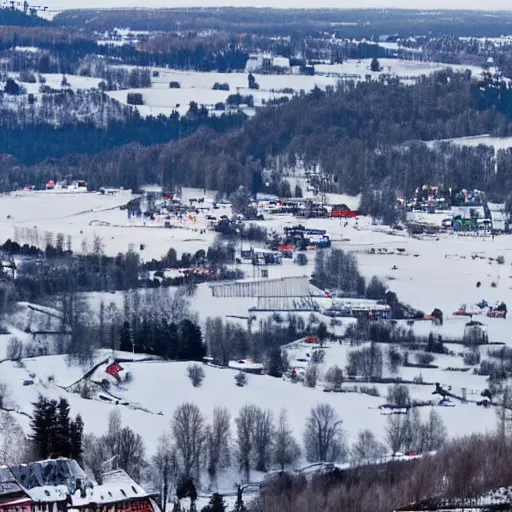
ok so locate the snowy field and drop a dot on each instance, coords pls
(486, 140)
(82, 216)
(429, 273)
(197, 86)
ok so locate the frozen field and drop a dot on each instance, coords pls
(197, 86)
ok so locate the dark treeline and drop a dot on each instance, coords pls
(357, 23)
(36, 143)
(352, 132)
(16, 17)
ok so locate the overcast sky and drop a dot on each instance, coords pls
(410, 4)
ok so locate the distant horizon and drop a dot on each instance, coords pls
(435, 5)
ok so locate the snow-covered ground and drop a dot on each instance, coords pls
(486, 140)
(197, 86)
(429, 273)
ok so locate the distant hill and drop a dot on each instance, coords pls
(20, 19)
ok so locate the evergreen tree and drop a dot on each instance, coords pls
(42, 427)
(216, 504)
(76, 435)
(191, 345)
(63, 429)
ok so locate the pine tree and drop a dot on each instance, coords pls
(75, 435)
(216, 504)
(191, 345)
(43, 425)
(62, 431)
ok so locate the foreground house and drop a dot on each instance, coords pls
(61, 484)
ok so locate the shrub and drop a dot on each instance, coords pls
(14, 349)
(301, 259)
(424, 358)
(318, 357)
(311, 376)
(369, 390)
(28, 77)
(85, 391)
(334, 376)
(241, 379)
(398, 395)
(195, 374)
(471, 358)
(376, 289)
(174, 85)
(134, 98)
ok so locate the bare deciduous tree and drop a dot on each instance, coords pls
(14, 349)
(245, 423)
(263, 438)
(165, 467)
(311, 376)
(188, 430)
(323, 437)
(217, 440)
(398, 395)
(13, 443)
(286, 449)
(334, 377)
(95, 453)
(367, 448)
(433, 432)
(131, 452)
(395, 431)
(196, 375)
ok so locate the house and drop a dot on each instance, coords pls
(59, 485)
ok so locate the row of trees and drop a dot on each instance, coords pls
(259, 442)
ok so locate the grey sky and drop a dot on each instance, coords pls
(415, 4)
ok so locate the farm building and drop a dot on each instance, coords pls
(61, 484)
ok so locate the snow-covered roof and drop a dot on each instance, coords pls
(48, 493)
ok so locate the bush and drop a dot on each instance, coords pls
(174, 85)
(220, 87)
(471, 358)
(334, 376)
(134, 98)
(241, 379)
(196, 375)
(318, 357)
(398, 395)
(311, 376)
(301, 259)
(376, 289)
(28, 77)
(424, 358)
(85, 391)
(369, 390)
(14, 349)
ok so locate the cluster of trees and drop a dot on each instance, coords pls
(119, 447)
(294, 23)
(226, 341)
(338, 271)
(54, 433)
(457, 475)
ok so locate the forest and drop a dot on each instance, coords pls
(363, 135)
(351, 23)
